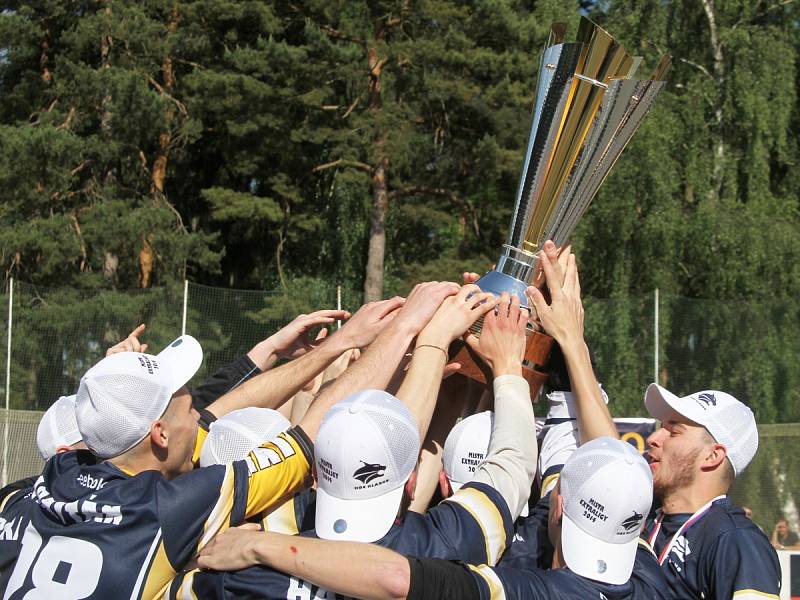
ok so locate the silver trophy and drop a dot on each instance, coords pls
(588, 106)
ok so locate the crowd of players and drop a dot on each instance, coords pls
(363, 467)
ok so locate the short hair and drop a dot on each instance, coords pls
(728, 474)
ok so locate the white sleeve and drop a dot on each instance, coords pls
(510, 464)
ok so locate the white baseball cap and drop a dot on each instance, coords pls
(124, 393)
(607, 489)
(58, 427)
(729, 421)
(234, 435)
(366, 449)
(465, 448)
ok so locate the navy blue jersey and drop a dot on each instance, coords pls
(293, 516)
(722, 554)
(647, 582)
(530, 547)
(474, 525)
(88, 530)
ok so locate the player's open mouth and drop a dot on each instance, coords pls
(652, 462)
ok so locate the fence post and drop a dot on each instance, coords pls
(338, 305)
(655, 336)
(185, 303)
(8, 379)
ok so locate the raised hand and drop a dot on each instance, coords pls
(294, 340)
(130, 343)
(363, 327)
(456, 315)
(502, 340)
(563, 317)
(421, 304)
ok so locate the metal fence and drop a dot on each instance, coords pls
(751, 349)
(768, 486)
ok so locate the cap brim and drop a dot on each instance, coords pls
(182, 357)
(664, 405)
(358, 520)
(594, 559)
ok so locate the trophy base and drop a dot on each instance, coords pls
(537, 353)
(537, 346)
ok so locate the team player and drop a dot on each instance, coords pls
(707, 548)
(136, 496)
(366, 453)
(596, 513)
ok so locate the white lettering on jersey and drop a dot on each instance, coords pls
(72, 512)
(9, 530)
(90, 482)
(300, 590)
(680, 550)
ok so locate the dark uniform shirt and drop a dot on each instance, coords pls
(719, 554)
(474, 526)
(646, 583)
(87, 530)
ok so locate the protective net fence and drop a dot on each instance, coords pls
(749, 349)
(768, 486)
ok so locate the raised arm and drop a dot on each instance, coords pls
(563, 320)
(510, 464)
(378, 363)
(424, 377)
(293, 340)
(274, 387)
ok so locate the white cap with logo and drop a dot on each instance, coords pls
(58, 427)
(729, 421)
(607, 489)
(234, 435)
(466, 447)
(366, 449)
(124, 393)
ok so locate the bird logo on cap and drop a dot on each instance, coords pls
(708, 399)
(369, 472)
(632, 522)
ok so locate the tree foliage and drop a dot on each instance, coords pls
(376, 143)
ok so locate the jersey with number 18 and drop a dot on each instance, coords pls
(88, 530)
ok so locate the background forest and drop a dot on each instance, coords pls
(372, 144)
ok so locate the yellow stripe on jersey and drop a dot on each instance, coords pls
(219, 519)
(282, 519)
(185, 592)
(159, 575)
(277, 470)
(753, 595)
(485, 512)
(7, 498)
(549, 483)
(496, 591)
(647, 547)
(202, 434)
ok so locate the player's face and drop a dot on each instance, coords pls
(674, 456)
(181, 420)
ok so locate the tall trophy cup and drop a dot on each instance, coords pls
(588, 106)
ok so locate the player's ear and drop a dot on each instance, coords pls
(444, 485)
(158, 434)
(62, 448)
(715, 456)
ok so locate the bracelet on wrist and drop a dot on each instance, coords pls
(446, 355)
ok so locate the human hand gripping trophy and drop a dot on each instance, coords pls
(588, 106)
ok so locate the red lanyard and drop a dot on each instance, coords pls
(691, 521)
